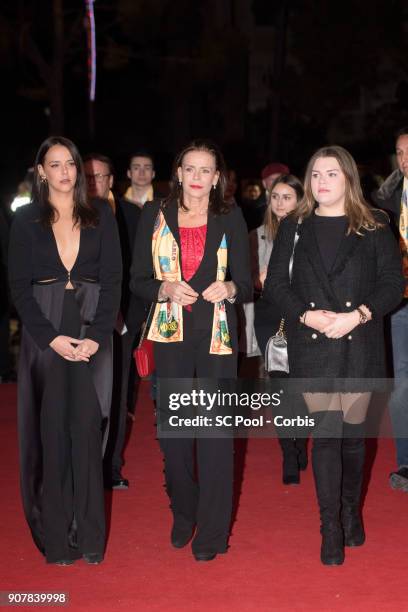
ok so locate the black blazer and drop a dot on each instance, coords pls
(34, 259)
(367, 271)
(132, 308)
(232, 225)
(388, 197)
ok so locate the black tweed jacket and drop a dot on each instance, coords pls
(367, 271)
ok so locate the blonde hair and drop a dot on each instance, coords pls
(271, 221)
(359, 212)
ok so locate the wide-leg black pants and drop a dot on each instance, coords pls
(73, 514)
(205, 502)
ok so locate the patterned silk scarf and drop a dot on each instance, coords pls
(403, 228)
(167, 321)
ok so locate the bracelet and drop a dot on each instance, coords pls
(363, 316)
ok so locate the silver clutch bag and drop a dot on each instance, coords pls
(276, 353)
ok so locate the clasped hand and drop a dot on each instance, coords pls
(73, 349)
(334, 325)
(181, 293)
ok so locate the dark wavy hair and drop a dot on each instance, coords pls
(217, 204)
(84, 213)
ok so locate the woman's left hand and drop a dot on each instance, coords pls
(218, 291)
(342, 324)
(85, 349)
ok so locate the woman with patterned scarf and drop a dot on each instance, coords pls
(191, 259)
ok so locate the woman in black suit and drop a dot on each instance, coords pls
(346, 277)
(65, 277)
(196, 246)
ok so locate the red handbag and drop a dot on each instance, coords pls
(144, 358)
(143, 353)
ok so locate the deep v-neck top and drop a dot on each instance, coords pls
(34, 260)
(41, 247)
(67, 268)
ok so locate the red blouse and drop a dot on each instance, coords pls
(192, 240)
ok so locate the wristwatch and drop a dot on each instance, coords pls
(363, 316)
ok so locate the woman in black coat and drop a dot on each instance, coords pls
(346, 278)
(285, 194)
(65, 275)
(196, 246)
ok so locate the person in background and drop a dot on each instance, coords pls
(65, 275)
(392, 196)
(100, 179)
(191, 260)
(270, 173)
(285, 194)
(99, 175)
(254, 210)
(141, 174)
(346, 276)
(252, 191)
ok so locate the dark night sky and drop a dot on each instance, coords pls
(266, 79)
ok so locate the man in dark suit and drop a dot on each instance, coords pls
(393, 197)
(100, 176)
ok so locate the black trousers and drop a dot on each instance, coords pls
(122, 401)
(206, 501)
(73, 514)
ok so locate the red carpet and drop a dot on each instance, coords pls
(273, 561)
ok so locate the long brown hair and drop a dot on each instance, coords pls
(83, 213)
(359, 212)
(217, 204)
(271, 221)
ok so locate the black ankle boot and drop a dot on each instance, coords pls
(301, 445)
(353, 458)
(327, 467)
(290, 465)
